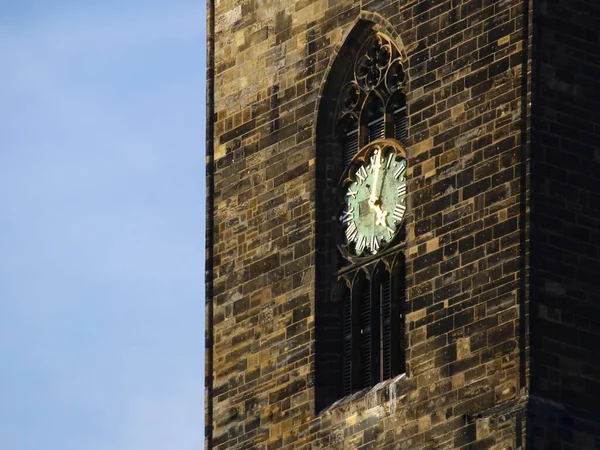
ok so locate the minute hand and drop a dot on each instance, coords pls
(376, 166)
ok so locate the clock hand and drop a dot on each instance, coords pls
(386, 167)
(376, 193)
(381, 214)
(376, 164)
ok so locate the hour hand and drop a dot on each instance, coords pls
(381, 215)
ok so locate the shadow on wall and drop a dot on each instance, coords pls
(565, 246)
(328, 306)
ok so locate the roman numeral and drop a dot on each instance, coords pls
(399, 212)
(360, 245)
(361, 174)
(347, 216)
(389, 161)
(376, 159)
(400, 170)
(374, 244)
(390, 233)
(351, 193)
(351, 231)
(401, 190)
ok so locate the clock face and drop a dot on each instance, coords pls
(374, 199)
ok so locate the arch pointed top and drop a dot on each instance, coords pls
(370, 57)
(375, 23)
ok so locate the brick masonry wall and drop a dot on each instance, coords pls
(466, 345)
(566, 228)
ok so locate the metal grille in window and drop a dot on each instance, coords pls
(347, 345)
(365, 335)
(400, 124)
(350, 146)
(385, 292)
(397, 320)
(373, 328)
(376, 129)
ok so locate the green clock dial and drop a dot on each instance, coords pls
(374, 198)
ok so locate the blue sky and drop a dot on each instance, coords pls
(101, 224)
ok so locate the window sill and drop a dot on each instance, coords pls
(384, 394)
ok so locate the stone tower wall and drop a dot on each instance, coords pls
(565, 406)
(466, 378)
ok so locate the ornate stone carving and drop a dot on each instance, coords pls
(376, 69)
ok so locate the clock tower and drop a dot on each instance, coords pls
(403, 215)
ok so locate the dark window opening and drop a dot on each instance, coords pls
(385, 295)
(373, 329)
(347, 343)
(400, 124)
(376, 129)
(350, 146)
(375, 120)
(397, 319)
(360, 328)
(365, 320)
(399, 117)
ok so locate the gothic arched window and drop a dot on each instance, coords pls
(367, 237)
(372, 129)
